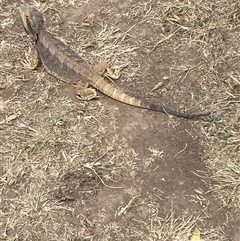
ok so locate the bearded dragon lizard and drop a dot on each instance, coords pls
(67, 65)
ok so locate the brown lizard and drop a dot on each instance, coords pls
(67, 65)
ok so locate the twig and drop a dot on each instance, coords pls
(127, 207)
(181, 151)
(161, 41)
(101, 178)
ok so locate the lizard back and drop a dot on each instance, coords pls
(59, 59)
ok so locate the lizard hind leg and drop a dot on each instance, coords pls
(84, 92)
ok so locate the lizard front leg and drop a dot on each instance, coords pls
(35, 61)
(84, 92)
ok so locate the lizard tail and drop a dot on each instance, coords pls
(113, 92)
(172, 112)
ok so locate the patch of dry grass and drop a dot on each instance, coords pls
(223, 146)
(172, 228)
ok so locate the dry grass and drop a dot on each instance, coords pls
(171, 228)
(51, 146)
(223, 147)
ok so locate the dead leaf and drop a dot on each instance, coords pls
(2, 86)
(176, 19)
(195, 235)
(235, 76)
(10, 118)
(88, 21)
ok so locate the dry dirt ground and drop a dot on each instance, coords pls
(102, 170)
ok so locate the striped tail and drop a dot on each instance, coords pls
(110, 90)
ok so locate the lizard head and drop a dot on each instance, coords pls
(32, 21)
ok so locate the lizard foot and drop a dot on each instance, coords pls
(113, 73)
(86, 93)
(104, 69)
(34, 62)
